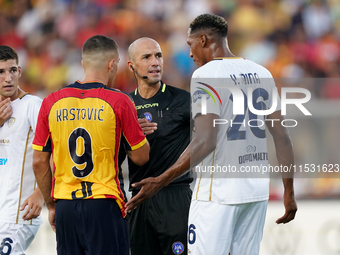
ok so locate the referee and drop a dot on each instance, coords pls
(159, 226)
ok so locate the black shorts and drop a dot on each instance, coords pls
(91, 227)
(160, 225)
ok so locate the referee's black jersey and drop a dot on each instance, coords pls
(170, 109)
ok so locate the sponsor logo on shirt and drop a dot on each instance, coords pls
(11, 121)
(252, 156)
(198, 95)
(210, 94)
(145, 106)
(4, 142)
(3, 161)
(177, 248)
(250, 148)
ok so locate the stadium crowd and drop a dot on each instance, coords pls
(292, 38)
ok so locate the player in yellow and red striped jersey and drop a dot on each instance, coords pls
(82, 124)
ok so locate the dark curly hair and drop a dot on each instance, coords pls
(212, 22)
(7, 53)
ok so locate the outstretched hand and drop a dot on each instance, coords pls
(290, 209)
(149, 187)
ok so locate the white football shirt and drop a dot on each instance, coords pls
(232, 173)
(17, 181)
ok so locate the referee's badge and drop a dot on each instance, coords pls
(148, 116)
(177, 248)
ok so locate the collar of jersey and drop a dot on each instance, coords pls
(220, 58)
(162, 87)
(88, 85)
(26, 93)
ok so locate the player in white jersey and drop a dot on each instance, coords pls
(240, 137)
(20, 199)
(228, 207)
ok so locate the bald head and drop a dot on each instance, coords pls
(146, 61)
(140, 45)
(98, 50)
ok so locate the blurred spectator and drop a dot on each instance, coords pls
(290, 37)
(294, 39)
(316, 19)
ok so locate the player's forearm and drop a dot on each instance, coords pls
(37, 192)
(141, 155)
(196, 151)
(200, 147)
(285, 154)
(44, 180)
(285, 157)
(282, 141)
(288, 184)
(43, 176)
(284, 151)
(181, 166)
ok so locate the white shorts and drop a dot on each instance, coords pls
(222, 229)
(15, 238)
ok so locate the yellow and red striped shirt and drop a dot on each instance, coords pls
(82, 125)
